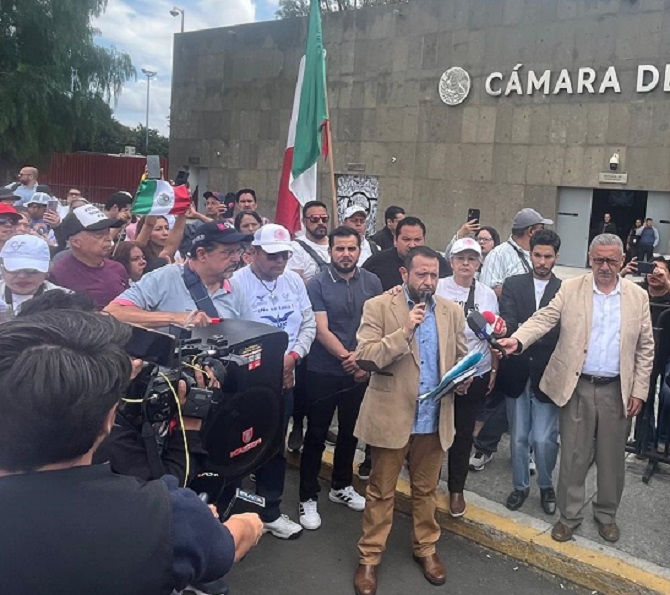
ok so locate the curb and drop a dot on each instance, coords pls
(584, 562)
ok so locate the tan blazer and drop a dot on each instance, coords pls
(572, 308)
(387, 413)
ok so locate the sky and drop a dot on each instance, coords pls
(144, 29)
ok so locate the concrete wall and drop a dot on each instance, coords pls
(233, 92)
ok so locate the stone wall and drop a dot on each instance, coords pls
(233, 91)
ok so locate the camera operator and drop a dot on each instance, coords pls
(71, 368)
(191, 294)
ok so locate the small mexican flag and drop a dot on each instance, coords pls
(157, 197)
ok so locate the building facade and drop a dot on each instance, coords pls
(560, 105)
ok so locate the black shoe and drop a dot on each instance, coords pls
(516, 499)
(548, 500)
(295, 438)
(364, 469)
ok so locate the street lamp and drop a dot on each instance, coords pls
(149, 74)
(175, 12)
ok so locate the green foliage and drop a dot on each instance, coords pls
(300, 8)
(54, 79)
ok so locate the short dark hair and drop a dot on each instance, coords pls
(392, 212)
(493, 232)
(208, 247)
(310, 204)
(411, 222)
(424, 251)
(546, 237)
(648, 219)
(662, 259)
(245, 191)
(71, 368)
(57, 299)
(342, 232)
(118, 199)
(254, 214)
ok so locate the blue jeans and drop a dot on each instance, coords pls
(533, 424)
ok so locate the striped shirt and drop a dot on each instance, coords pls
(504, 261)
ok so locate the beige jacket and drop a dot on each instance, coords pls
(387, 413)
(572, 308)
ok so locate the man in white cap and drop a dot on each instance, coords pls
(278, 297)
(356, 218)
(25, 267)
(42, 218)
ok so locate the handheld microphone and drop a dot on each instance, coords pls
(424, 298)
(478, 326)
(497, 324)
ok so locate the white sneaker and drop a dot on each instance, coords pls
(478, 460)
(309, 515)
(532, 467)
(283, 528)
(349, 497)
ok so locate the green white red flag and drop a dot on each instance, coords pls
(158, 197)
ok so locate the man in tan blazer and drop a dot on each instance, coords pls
(598, 375)
(408, 345)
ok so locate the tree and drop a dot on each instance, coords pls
(53, 77)
(300, 8)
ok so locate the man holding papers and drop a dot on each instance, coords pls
(408, 341)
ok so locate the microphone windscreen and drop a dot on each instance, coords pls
(490, 317)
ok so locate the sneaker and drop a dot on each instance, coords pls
(347, 496)
(532, 467)
(310, 518)
(331, 438)
(283, 528)
(479, 459)
(295, 439)
(364, 469)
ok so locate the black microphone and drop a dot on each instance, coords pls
(424, 298)
(479, 327)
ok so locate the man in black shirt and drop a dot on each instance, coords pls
(409, 233)
(385, 236)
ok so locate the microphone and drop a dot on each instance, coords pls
(478, 326)
(424, 298)
(497, 323)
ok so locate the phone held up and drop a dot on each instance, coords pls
(473, 215)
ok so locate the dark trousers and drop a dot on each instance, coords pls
(299, 409)
(466, 409)
(321, 404)
(495, 423)
(645, 253)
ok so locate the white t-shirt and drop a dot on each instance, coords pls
(7, 312)
(485, 300)
(540, 286)
(366, 252)
(301, 261)
(279, 303)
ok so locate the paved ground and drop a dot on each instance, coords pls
(323, 562)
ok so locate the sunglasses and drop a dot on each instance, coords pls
(7, 221)
(278, 256)
(319, 219)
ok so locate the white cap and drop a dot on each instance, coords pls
(273, 238)
(39, 198)
(465, 244)
(26, 252)
(351, 211)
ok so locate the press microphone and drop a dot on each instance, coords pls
(478, 326)
(497, 323)
(424, 298)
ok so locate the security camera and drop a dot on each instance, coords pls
(614, 161)
(174, 12)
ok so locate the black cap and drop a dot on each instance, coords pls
(86, 218)
(219, 232)
(8, 193)
(43, 188)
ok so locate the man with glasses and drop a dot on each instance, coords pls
(277, 297)
(25, 186)
(9, 219)
(598, 376)
(310, 252)
(169, 294)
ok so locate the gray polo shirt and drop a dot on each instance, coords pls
(164, 290)
(343, 302)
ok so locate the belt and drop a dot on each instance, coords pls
(600, 379)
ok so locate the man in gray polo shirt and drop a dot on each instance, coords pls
(168, 295)
(333, 377)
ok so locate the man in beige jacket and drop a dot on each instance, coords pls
(408, 345)
(598, 375)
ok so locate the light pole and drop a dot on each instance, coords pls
(149, 74)
(176, 11)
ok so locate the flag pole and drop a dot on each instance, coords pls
(331, 158)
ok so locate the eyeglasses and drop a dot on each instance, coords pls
(228, 252)
(483, 239)
(318, 219)
(6, 221)
(610, 262)
(278, 256)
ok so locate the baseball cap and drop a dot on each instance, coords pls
(465, 244)
(86, 218)
(273, 238)
(43, 188)
(351, 211)
(9, 211)
(219, 232)
(527, 218)
(216, 195)
(8, 194)
(39, 198)
(26, 252)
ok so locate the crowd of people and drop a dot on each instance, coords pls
(372, 324)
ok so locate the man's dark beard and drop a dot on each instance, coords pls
(341, 269)
(542, 276)
(319, 233)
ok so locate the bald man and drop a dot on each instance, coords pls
(26, 186)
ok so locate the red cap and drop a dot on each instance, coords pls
(6, 209)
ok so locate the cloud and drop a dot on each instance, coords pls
(144, 29)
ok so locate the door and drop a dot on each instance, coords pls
(658, 208)
(574, 215)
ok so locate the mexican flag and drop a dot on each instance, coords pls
(308, 132)
(158, 197)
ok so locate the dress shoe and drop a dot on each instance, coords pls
(456, 504)
(548, 500)
(561, 532)
(516, 499)
(365, 580)
(433, 569)
(608, 531)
